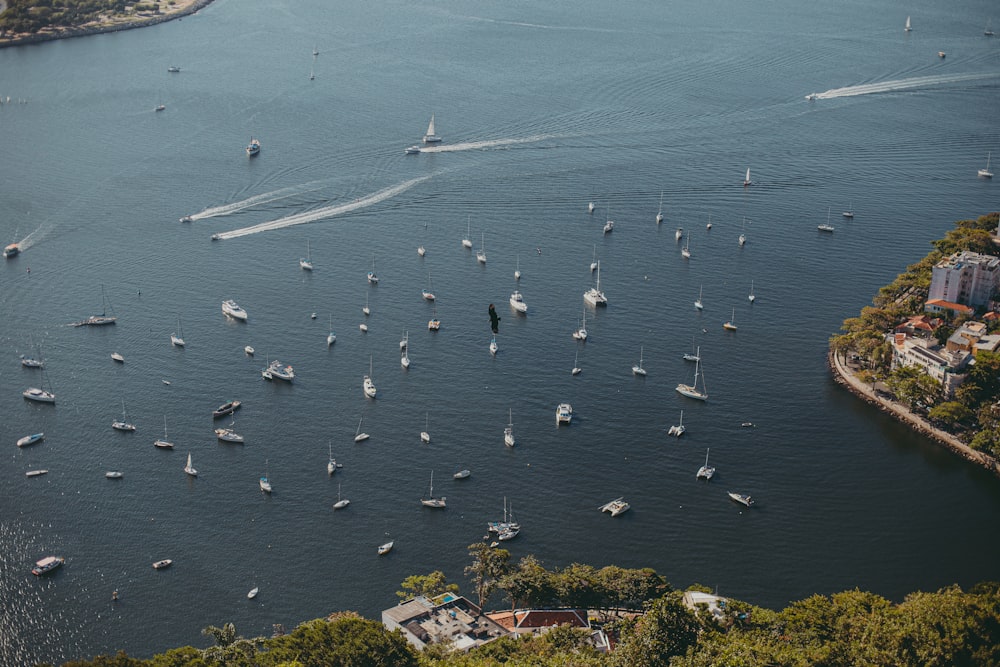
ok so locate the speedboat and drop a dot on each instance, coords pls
(11, 250)
(812, 97)
(564, 413)
(412, 150)
(462, 474)
(741, 498)
(116, 356)
(253, 148)
(30, 439)
(249, 350)
(36, 473)
(174, 68)
(616, 507)
(385, 548)
(234, 310)
(226, 409)
(253, 592)
(161, 564)
(114, 474)
(47, 564)
(277, 370)
(186, 218)
(517, 302)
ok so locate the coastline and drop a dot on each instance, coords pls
(181, 8)
(844, 377)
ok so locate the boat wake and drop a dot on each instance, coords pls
(914, 83)
(480, 145)
(323, 213)
(257, 200)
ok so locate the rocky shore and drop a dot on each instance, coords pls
(847, 379)
(114, 24)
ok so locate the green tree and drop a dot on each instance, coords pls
(428, 585)
(951, 412)
(488, 566)
(348, 641)
(666, 630)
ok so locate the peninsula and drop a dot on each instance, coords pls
(927, 352)
(22, 22)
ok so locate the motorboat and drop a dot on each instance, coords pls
(47, 564)
(609, 226)
(517, 302)
(36, 473)
(162, 564)
(173, 69)
(812, 97)
(248, 350)
(253, 148)
(30, 439)
(252, 593)
(265, 484)
(616, 507)
(228, 434)
(280, 371)
(412, 150)
(564, 413)
(234, 310)
(493, 346)
(226, 409)
(741, 498)
(385, 548)
(116, 356)
(186, 218)
(706, 471)
(462, 474)
(11, 250)
(114, 474)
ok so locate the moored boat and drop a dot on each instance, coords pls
(47, 564)
(616, 507)
(30, 439)
(741, 498)
(253, 148)
(234, 310)
(226, 409)
(162, 564)
(564, 413)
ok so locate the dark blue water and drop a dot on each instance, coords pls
(543, 109)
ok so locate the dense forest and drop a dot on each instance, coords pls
(973, 413)
(950, 627)
(30, 16)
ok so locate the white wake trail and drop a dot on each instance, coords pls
(478, 145)
(256, 200)
(902, 84)
(322, 213)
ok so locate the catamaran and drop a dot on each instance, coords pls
(677, 430)
(706, 471)
(594, 296)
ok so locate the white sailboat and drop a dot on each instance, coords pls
(638, 369)
(265, 482)
(746, 179)
(430, 500)
(590, 207)
(826, 227)
(428, 293)
(404, 345)
(331, 465)
(189, 469)
(467, 242)
(369, 385)
(907, 27)
(305, 263)
(493, 345)
(743, 233)
(481, 254)
(40, 394)
(986, 173)
(372, 277)
(692, 356)
(366, 310)
(594, 296)
(517, 267)
(576, 365)
(750, 297)
(341, 502)
(331, 337)
(659, 215)
(678, 234)
(849, 213)
(581, 333)
(163, 443)
(123, 424)
(177, 338)
(508, 432)
(360, 436)
(421, 250)
(698, 303)
(686, 250)
(677, 430)
(228, 434)
(706, 471)
(431, 137)
(593, 262)
(731, 324)
(692, 390)
(424, 435)
(708, 225)
(434, 323)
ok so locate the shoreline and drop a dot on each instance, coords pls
(844, 377)
(112, 25)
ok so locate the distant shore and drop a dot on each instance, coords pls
(179, 9)
(849, 381)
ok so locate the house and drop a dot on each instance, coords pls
(917, 325)
(966, 337)
(445, 618)
(538, 621)
(949, 308)
(967, 278)
(715, 605)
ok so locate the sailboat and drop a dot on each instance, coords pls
(431, 501)
(659, 215)
(163, 443)
(103, 318)
(369, 386)
(678, 234)
(907, 28)
(177, 338)
(366, 310)
(424, 435)
(40, 394)
(431, 137)
(708, 225)
(341, 502)
(228, 434)
(576, 366)
(372, 278)
(331, 465)
(638, 369)
(434, 323)
(358, 435)
(493, 345)
(692, 390)
(123, 424)
(466, 242)
(331, 337)
(594, 296)
(305, 263)
(849, 213)
(189, 469)
(706, 471)
(161, 106)
(746, 179)
(698, 303)
(581, 333)
(421, 250)
(692, 356)
(743, 234)
(731, 324)
(677, 430)
(508, 432)
(986, 173)
(481, 255)
(609, 226)
(750, 297)
(988, 30)
(517, 267)
(404, 345)
(265, 483)
(686, 250)
(590, 207)
(826, 227)
(593, 262)
(312, 73)
(428, 294)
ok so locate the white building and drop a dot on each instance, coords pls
(446, 618)
(937, 362)
(966, 277)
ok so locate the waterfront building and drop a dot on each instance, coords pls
(938, 362)
(445, 618)
(965, 277)
(539, 621)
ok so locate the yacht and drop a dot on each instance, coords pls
(253, 148)
(30, 439)
(615, 507)
(226, 409)
(47, 564)
(276, 370)
(39, 395)
(234, 310)
(517, 302)
(741, 498)
(564, 413)
(11, 250)
(431, 501)
(692, 390)
(508, 522)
